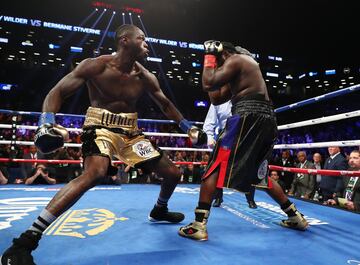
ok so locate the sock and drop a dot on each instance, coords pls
(161, 202)
(199, 217)
(43, 221)
(286, 207)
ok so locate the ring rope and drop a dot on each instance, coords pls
(331, 118)
(71, 161)
(15, 112)
(318, 145)
(308, 101)
(277, 146)
(340, 92)
(325, 172)
(31, 127)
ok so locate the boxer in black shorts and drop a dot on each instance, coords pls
(245, 145)
(115, 84)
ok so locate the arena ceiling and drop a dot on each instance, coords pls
(318, 32)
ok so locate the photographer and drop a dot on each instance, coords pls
(40, 175)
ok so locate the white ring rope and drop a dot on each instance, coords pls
(318, 145)
(30, 127)
(277, 146)
(332, 118)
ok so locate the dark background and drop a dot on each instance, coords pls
(309, 35)
(314, 33)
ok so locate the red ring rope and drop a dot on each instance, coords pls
(324, 172)
(55, 161)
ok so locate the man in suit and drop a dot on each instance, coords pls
(331, 186)
(286, 177)
(318, 163)
(303, 184)
(352, 185)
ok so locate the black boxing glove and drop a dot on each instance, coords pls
(49, 136)
(197, 136)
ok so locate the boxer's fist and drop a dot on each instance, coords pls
(197, 136)
(214, 47)
(49, 136)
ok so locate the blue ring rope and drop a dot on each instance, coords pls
(308, 101)
(333, 94)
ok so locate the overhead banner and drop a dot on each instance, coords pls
(45, 24)
(59, 26)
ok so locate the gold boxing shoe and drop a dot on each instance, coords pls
(297, 221)
(196, 230)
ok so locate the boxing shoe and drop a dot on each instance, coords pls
(196, 230)
(20, 251)
(162, 214)
(297, 221)
(252, 204)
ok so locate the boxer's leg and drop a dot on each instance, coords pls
(197, 230)
(295, 218)
(170, 174)
(20, 252)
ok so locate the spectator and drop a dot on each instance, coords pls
(317, 160)
(141, 176)
(191, 174)
(303, 184)
(331, 186)
(123, 173)
(40, 175)
(351, 195)
(286, 177)
(13, 168)
(111, 180)
(275, 176)
(63, 171)
(27, 168)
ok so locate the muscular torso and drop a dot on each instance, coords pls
(113, 90)
(249, 80)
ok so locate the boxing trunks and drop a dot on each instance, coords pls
(245, 145)
(116, 135)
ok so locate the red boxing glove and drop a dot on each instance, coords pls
(210, 61)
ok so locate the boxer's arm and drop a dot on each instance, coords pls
(214, 78)
(221, 95)
(69, 84)
(197, 135)
(154, 91)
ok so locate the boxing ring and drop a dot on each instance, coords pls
(109, 224)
